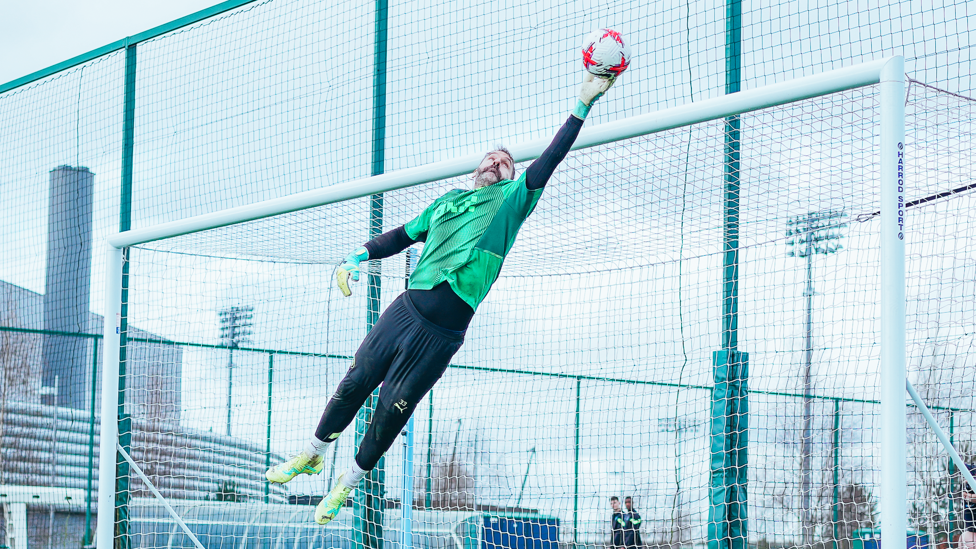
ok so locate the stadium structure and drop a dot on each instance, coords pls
(49, 358)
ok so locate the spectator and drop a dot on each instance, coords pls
(969, 509)
(617, 524)
(967, 540)
(632, 522)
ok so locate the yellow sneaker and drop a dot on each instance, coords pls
(329, 507)
(283, 472)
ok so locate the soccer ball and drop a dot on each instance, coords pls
(605, 53)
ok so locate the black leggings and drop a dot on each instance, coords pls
(407, 354)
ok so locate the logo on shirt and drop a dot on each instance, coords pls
(468, 204)
(401, 406)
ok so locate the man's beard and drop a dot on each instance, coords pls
(485, 178)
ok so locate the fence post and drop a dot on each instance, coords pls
(369, 503)
(576, 458)
(91, 444)
(125, 223)
(952, 471)
(428, 489)
(836, 453)
(267, 439)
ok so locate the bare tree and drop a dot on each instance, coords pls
(673, 532)
(154, 454)
(940, 378)
(800, 435)
(19, 378)
(938, 500)
(856, 509)
(452, 484)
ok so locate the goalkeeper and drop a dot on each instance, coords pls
(467, 235)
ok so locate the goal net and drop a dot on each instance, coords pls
(598, 366)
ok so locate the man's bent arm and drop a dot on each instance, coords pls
(389, 243)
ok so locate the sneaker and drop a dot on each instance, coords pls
(283, 472)
(329, 507)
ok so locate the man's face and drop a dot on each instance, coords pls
(615, 504)
(629, 503)
(495, 167)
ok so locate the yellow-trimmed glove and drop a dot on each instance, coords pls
(350, 268)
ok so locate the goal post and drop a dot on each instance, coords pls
(887, 73)
(894, 469)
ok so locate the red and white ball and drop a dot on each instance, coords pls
(605, 53)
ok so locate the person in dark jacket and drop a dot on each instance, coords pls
(632, 522)
(616, 524)
(967, 538)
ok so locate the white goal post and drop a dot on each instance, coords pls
(889, 73)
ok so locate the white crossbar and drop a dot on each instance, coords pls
(702, 111)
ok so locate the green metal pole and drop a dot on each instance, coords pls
(576, 459)
(836, 452)
(87, 540)
(230, 382)
(727, 527)
(125, 223)
(525, 479)
(369, 503)
(952, 472)
(267, 439)
(730, 260)
(738, 533)
(428, 492)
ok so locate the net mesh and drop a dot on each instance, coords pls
(588, 370)
(621, 266)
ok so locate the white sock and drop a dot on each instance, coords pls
(353, 476)
(315, 447)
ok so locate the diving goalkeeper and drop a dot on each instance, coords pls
(467, 235)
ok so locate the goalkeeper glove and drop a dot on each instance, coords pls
(592, 89)
(350, 268)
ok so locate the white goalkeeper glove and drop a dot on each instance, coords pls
(593, 88)
(350, 268)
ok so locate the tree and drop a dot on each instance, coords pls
(227, 490)
(452, 484)
(935, 483)
(856, 508)
(938, 500)
(19, 379)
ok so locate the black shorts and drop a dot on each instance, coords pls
(407, 354)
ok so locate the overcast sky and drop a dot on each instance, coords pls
(35, 35)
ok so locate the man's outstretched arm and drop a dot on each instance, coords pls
(539, 172)
(385, 245)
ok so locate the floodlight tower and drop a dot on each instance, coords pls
(811, 234)
(235, 328)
